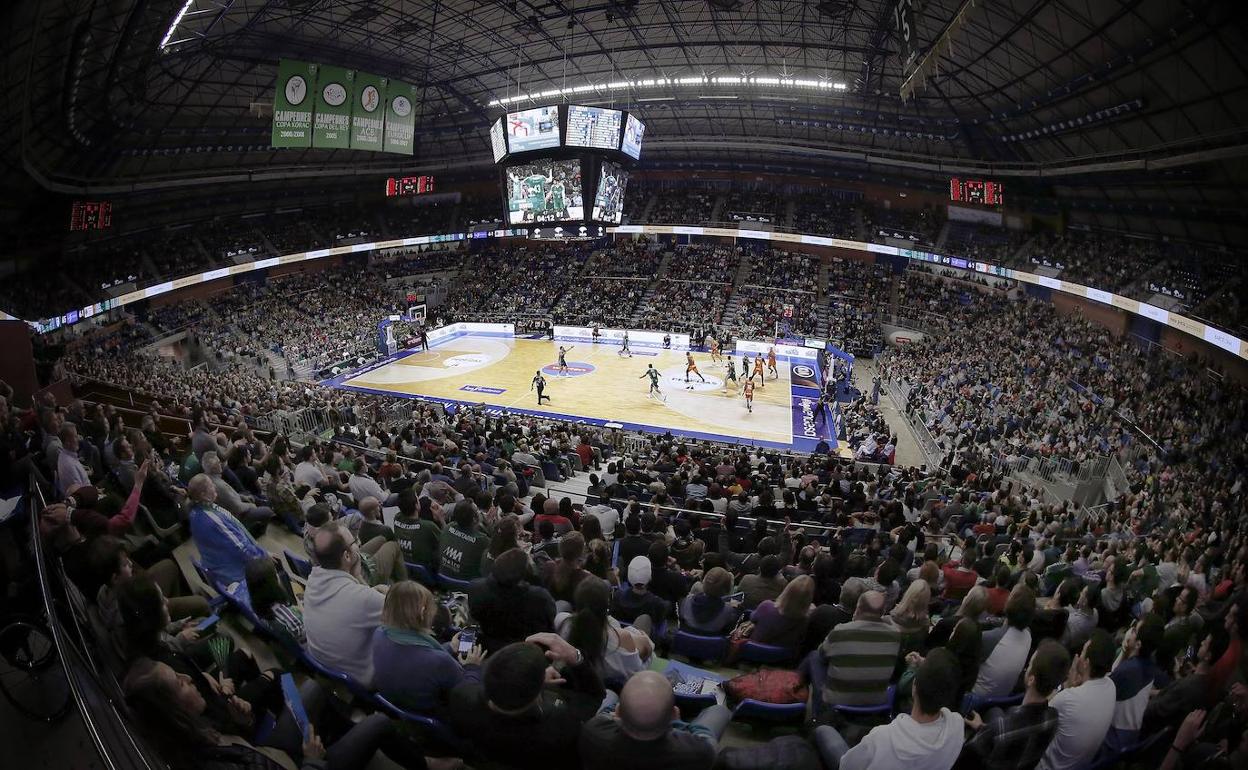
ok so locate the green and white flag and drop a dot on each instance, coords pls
(292, 104)
(368, 112)
(401, 118)
(331, 125)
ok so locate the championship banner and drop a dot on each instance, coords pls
(331, 125)
(368, 112)
(401, 118)
(292, 104)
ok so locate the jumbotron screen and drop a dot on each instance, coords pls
(498, 140)
(594, 127)
(535, 129)
(544, 191)
(634, 131)
(609, 200)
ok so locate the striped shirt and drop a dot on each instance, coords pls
(861, 656)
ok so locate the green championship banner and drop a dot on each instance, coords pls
(401, 118)
(368, 112)
(331, 125)
(292, 106)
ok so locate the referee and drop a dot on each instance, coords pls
(539, 382)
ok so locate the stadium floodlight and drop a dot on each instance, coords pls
(164, 41)
(759, 82)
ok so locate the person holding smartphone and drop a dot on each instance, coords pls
(411, 668)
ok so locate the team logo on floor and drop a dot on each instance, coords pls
(482, 389)
(802, 370)
(575, 369)
(676, 379)
(467, 359)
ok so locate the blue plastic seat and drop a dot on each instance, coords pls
(769, 712)
(421, 574)
(885, 708)
(698, 647)
(453, 584)
(756, 652)
(299, 565)
(974, 703)
(433, 727)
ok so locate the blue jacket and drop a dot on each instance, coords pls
(415, 672)
(225, 546)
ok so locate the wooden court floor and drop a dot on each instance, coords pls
(601, 384)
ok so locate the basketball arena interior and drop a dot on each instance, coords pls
(689, 384)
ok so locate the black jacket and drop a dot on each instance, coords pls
(544, 737)
(509, 613)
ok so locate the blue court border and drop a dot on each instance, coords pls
(799, 443)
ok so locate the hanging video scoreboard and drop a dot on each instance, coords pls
(399, 187)
(90, 215)
(979, 191)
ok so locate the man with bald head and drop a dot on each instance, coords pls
(865, 651)
(645, 730)
(225, 546)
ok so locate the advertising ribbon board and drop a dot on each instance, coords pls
(400, 118)
(292, 104)
(331, 125)
(368, 112)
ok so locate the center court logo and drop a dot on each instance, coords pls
(467, 359)
(575, 369)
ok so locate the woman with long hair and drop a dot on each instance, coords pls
(598, 561)
(973, 607)
(172, 713)
(910, 616)
(783, 622)
(411, 668)
(617, 652)
(506, 536)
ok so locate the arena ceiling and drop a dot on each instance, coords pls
(1039, 88)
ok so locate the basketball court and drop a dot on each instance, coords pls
(600, 387)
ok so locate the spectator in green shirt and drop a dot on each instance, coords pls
(462, 543)
(418, 529)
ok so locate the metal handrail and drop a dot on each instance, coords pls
(65, 649)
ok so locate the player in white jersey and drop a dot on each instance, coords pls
(624, 351)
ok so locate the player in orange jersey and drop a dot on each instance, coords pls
(748, 391)
(771, 363)
(690, 366)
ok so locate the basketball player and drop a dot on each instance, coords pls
(596, 334)
(690, 366)
(624, 351)
(748, 391)
(539, 382)
(563, 361)
(715, 356)
(653, 374)
(730, 372)
(745, 366)
(758, 370)
(771, 363)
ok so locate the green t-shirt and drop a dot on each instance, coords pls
(459, 552)
(418, 539)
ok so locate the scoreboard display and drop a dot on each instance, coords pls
(398, 187)
(90, 215)
(980, 191)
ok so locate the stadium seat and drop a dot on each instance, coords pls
(300, 566)
(453, 584)
(421, 574)
(756, 652)
(885, 708)
(757, 710)
(430, 726)
(700, 648)
(972, 703)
